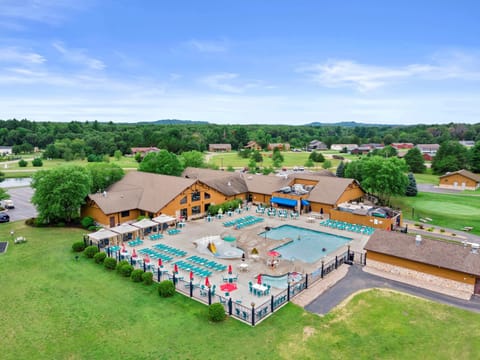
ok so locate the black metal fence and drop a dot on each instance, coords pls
(252, 313)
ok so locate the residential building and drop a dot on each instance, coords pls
(467, 143)
(279, 146)
(341, 147)
(252, 145)
(461, 179)
(219, 147)
(5, 150)
(316, 145)
(144, 150)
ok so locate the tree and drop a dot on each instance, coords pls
(451, 156)
(384, 177)
(117, 154)
(37, 162)
(192, 158)
(277, 158)
(309, 163)
(474, 158)
(316, 156)
(415, 161)
(22, 163)
(257, 156)
(327, 164)
(412, 186)
(340, 170)
(60, 192)
(354, 170)
(103, 175)
(3, 194)
(252, 166)
(162, 162)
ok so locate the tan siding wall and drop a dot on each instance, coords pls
(449, 181)
(361, 219)
(316, 207)
(425, 268)
(353, 192)
(258, 198)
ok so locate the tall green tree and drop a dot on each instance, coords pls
(415, 160)
(257, 156)
(412, 186)
(277, 158)
(103, 175)
(451, 156)
(162, 162)
(384, 177)
(340, 170)
(474, 158)
(316, 156)
(60, 192)
(3, 194)
(193, 158)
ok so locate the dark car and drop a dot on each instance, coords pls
(4, 217)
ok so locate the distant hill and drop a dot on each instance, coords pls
(173, 122)
(345, 124)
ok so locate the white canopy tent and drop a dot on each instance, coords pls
(103, 237)
(126, 231)
(164, 221)
(146, 226)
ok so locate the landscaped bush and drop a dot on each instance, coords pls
(147, 278)
(22, 163)
(99, 257)
(87, 221)
(126, 270)
(37, 162)
(110, 263)
(430, 229)
(120, 264)
(90, 251)
(442, 230)
(166, 288)
(216, 312)
(78, 246)
(137, 275)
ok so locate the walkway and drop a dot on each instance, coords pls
(356, 279)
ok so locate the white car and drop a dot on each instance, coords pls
(8, 204)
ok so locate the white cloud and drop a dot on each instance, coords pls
(206, 46)
(79, 56)
(15, 55)
(366, 77)
(229, 83)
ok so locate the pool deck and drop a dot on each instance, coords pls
(247, 239)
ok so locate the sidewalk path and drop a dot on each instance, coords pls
(356, 280)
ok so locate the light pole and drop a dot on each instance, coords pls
(11, 234)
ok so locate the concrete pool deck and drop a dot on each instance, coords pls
(247, 240)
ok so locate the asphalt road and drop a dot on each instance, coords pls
(24, 209)
(435, 189)
(357, 280)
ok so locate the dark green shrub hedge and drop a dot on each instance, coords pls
(137, 275)
(126, 270)
(90, 251)
(78, 246)
(87, 221)
(37, 162)
(147, 278)
(216, 312)
(99, 257)
(120, 264)
(166, 288)
(110, 263)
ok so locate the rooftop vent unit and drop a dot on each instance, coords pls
(475, 248)
(418, 240)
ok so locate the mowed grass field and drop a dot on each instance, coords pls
(54, 307)
(453, 211)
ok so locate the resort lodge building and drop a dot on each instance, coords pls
(461, 180)
(189, 196)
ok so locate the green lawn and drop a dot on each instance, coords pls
(427, 178)
(446, 210)
(54, 307)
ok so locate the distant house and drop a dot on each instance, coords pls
(144, 150)
(402, 146)
(5, 150)
(361, 150)
(444, 264)
(219, 147)
(461, 179)
(317, 145)
(252, 145)
(428, 150)
(467, 143)
(279, 146)
(340, 147)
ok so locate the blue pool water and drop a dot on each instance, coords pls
(280, 282)
(306, 245)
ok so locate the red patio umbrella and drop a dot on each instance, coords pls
(191, 275)
(146, 259)
(134, 253)
(273, 253)
(229, 269)
(207, 282)
(175, 268)
(259, 279)
(228, 287)
(123, 248)
(160, 262)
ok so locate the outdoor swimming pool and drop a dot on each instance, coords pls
(280, 282)
(306, 245)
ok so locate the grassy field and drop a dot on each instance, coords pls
(446, 210)
(427, 178)
(54, 307)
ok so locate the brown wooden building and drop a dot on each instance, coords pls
(219, 147)
(452, 264)
(462, 180)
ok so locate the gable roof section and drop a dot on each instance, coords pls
(466, 173)
(226, 182)
(329, 189)
(141, 190)
(444, 254)
(266, 184)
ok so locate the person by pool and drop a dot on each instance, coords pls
(324, 249)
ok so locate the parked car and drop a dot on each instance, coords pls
(8, 204)
(4, 217)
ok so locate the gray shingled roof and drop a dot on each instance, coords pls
(444, 254)
(329, 189)
(141, 190)
(466, 173)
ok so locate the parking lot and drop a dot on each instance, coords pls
(24, 209)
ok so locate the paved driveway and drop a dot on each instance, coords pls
(435, 189)
(356, 280)
(24, 209)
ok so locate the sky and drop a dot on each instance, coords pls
(241, 62)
